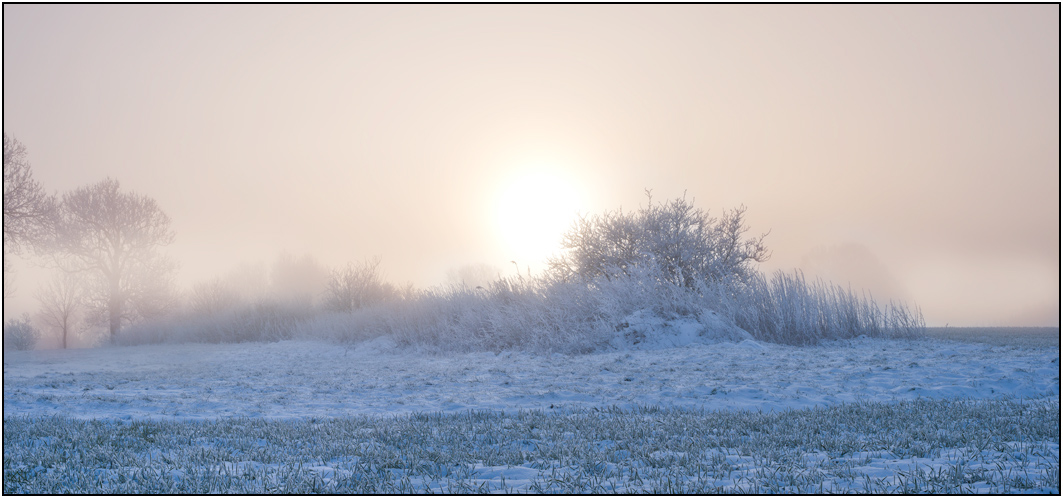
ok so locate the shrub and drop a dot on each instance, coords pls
(357, 286)
(263, 320)
(510, 313)
(676, 261)
(20, 334)
(213, 297)
(682, 242)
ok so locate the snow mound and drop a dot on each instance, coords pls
(750, 344)
(723, 329)
(382, 344)
(645, 330)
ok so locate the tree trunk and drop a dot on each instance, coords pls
(115, 309)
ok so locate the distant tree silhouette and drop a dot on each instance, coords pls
(357, 286)
(61, 301)
(27, 209)
(113, 238)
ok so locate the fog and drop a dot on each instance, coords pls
(911, 150)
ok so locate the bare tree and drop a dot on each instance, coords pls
(114, 238)
(61, 302)
(27, 209)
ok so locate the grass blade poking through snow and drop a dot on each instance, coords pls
(921, 446)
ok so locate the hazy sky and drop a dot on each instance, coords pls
(909, 149)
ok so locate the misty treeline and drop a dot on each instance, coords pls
(670, 259)
(103, 245)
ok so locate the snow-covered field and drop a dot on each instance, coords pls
(291, 382)
(302, 379)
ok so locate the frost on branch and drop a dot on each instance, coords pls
(688, 246)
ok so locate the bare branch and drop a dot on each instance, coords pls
(27, 209)
(62, 300)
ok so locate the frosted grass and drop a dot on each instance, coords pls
(920, 446)
(539, 315)
(675, 413)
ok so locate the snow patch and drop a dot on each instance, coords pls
(644, 330)
(380, 344)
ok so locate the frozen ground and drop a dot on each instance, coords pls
(293, 379)
(666, 416)
(1047, 337)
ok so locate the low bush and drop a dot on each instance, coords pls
(509, 313)
(357, 286)
(536, 314)
(264, 320)
(20, 334)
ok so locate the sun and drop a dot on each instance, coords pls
(532, 211)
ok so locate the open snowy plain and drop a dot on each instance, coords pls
(676, 414)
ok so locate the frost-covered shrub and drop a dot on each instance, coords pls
(357, 286)
(676, 261)
(510, 313)
(20, 334)
(263, 320)
(350, 327)
(213, 297)
(682, 243)
(542, 314)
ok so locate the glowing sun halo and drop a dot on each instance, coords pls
(532, 212)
